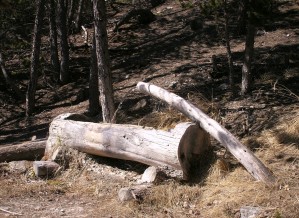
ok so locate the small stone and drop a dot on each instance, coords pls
(185, 204)
(125, 194)
(250, 212)
(19, 166)
(149, 175)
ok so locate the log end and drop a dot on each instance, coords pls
(45, 168)
(193, 146)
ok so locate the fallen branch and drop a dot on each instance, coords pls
(12, 213)
(244, 155)
(32, 150)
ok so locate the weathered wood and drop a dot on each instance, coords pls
(33, 150)
(244, 155)
(45, 168)
(129, 142)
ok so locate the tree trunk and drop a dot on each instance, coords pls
(70, 17)
(8, 80)
(127, 142)
(228, 51)
(30, 95)
(25, 151)
(249, 51)
(53, 36)
(103, 60)
(243, 17)
(246, 157)
(77, 21)
(64, 64)
(94, 103)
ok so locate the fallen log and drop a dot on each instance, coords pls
(243, 154)
(33, 150)
(128, 142)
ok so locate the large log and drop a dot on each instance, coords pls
(244, 155)
(128, 142)
(33, 150)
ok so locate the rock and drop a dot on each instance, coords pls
(152, 175)
(140, 105)
(149, 175)
(19, 166)
(133, 193)
(250, 212)
(125, 194)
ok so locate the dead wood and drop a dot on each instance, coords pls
(243, 154)
(45, 168)
(128, 142)
(33, 150)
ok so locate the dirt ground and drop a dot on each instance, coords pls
(167, 53)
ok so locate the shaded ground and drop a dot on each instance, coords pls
(171, 55)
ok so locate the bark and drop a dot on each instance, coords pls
(228, 50)
(94, 103)
(127, 142)
(71, 12)
(244, 155)
(249, 51)
(30, 95)
(53, 36)
(77, 21)
(103, 60)
(243, 17)
(33, 150)
(8, 80)
(64, 63)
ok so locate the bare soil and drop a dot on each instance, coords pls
(167, 53)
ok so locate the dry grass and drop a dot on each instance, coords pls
(226, 190)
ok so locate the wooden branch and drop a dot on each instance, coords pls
(244, 155)
(32, 150)
(129, 142)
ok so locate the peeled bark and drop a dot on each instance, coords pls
(128, 142)
(244, 155)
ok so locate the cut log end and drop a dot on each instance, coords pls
(45, 168)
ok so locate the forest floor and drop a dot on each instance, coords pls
(167, 53)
